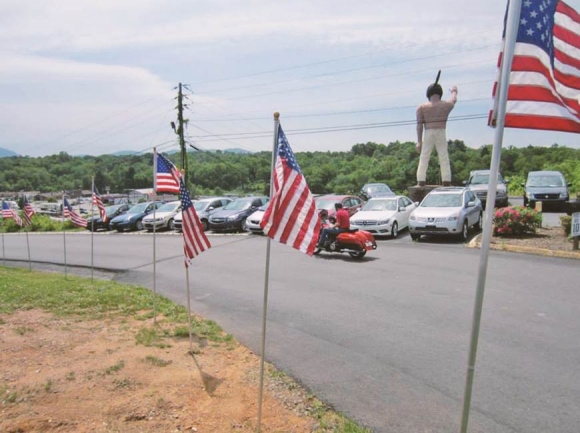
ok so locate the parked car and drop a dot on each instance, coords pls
(96, 223)
(162, 218)
(349, 202)
(446, 211)
(372, 190)
(254, 220)
(204, 208)
(232, 217)
(479, 183)
(383, 216)
(133, 218)
(546, 186)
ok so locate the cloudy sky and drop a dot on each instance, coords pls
(99, 77)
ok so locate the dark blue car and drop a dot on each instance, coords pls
(133, 219)
(232, 217)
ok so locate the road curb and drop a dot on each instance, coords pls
(476, 243)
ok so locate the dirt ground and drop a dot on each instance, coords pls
(66, 375)
(549, 238)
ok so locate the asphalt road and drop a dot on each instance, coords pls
(384, 340)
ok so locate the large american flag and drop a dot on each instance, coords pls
(166, 175)
(544, 87)
(99, 203)
(291, 216)
(28, 213)
(75, 218)
(8, 212)
(194, 239)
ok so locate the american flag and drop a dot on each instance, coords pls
(291, 216)
(99, 203)
(544, 87)
(194, 239)
(28, 213)
(8, 212)
(69, 213)
(166, 175)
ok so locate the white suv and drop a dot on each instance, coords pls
(446, 211)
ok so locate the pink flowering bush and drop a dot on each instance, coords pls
(516, 221)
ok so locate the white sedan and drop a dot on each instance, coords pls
(254, 220)
(384, 216)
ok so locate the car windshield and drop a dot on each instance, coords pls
(200, 205)
(138, 208)
(112, 209)
(483, 179)
(545, 181)
(380, 205)
(374, 189)
(238, 205)
(442, 200)
(326, 204)
(169, 207)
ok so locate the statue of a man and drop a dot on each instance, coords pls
(432, 118)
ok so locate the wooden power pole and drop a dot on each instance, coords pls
(180, 132)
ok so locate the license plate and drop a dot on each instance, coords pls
(431, 226)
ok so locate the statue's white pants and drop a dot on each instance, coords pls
(434, 138)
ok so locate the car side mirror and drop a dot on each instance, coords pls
(470, 204)
(506, 181)
(464, 182)
(210, 208)
(523, 185)
(417, 203)
(402, 208)
(569, 185)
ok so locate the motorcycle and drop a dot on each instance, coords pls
(354, 241)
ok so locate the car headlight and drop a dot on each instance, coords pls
(453, 218)
(383, 222)
(412, 218)
(563, 195)
(529, 195)
(232, 217)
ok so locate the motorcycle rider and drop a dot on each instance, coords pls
(341, 224)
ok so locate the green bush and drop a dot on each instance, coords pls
(516, 221)
(39, 223)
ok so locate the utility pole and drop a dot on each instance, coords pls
(180, 129)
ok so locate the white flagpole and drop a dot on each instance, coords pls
(267, 277)
(28, 247)
(512, 25)
(154, 243)
(93, 228)
(188, 309)
(64, 237)
(3, 249)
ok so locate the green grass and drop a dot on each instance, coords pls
(157, 362)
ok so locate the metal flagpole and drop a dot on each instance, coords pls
(267, 276)
(154, 251)
(28, 246)
(64, 237)
(3, 250)
(93, 228)
(512, 25)
(188, 310)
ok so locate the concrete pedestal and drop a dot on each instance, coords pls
(418, 193)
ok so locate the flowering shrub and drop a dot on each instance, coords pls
(516, 221)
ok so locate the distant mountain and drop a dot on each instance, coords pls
(123, 152)
(6, 152)
(236, 150)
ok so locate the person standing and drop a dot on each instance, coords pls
(431, 122)
(342, 224)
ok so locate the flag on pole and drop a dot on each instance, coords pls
(28, 212)
(544, 81)
(99, 203)
(291, 216)
(8, 212)
(69, 213)
(194, 239)
(167, 176)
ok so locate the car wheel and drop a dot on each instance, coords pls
(395, 230)
(120, 230)
(243, 226)
(358, 255)
(464, 231)
(139, 225)
(477, 225)
(205, 225)
(415, 237)
(171, 224)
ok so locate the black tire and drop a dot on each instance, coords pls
(139, 225)
(171, 224)
(205, 225)
(243, 226)
(358, 255)
(395, 230)
(464, 231)
(415, 238)
(477, 225)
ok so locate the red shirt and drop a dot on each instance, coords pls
(343, 219)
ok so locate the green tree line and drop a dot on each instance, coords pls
(340, 172)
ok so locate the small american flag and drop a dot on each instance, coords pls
(8, 212)
(99, 203)
(166, 175)
(69, 213)
(194, 239)
(544, 83)
(28, 213)
(291, 216)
